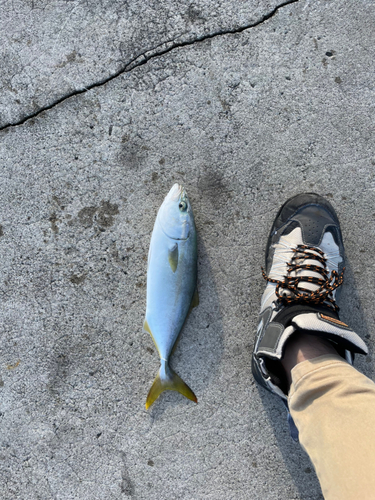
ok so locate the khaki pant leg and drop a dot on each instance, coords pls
(333, 407)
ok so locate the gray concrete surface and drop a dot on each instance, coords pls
(51, 50)
(244, 120)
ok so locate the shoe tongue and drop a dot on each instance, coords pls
(332, 328)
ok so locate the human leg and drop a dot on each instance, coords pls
(299, 324)
(333, 407)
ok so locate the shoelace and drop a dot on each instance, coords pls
(326, 285)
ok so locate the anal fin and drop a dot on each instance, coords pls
(195, 299)
(147, 329)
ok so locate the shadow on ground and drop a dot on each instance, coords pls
(352, 313)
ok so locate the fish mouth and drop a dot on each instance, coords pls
(183, 193)
(177, 192)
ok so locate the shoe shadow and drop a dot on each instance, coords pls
(295, 458)
(352, 313)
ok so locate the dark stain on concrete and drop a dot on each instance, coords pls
(1, 231)
(127, 486)
(133, 155)
(224, 104)
(62, 364)
(86, 216)
(70, 58)
(59, 372)
(213, 185)
(77, 280)
(53, 219)
(106, 213)
(58, 202)
(194, 15)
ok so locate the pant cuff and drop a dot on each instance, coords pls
(310, 365)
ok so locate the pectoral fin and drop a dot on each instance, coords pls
(173, 257)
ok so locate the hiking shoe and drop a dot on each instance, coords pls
(304, 269)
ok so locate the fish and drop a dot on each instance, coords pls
(171, 286)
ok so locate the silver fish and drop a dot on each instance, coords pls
(171, 285)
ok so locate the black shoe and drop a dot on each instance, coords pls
(304, 268)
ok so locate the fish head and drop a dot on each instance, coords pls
(176, 215)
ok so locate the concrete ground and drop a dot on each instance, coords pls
(103, 106)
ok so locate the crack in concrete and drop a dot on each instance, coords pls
(142, 59)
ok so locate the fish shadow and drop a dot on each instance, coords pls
(199, 349)
(295, 458)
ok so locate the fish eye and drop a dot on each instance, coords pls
(182, 206)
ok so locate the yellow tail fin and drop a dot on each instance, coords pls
(166, 380)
